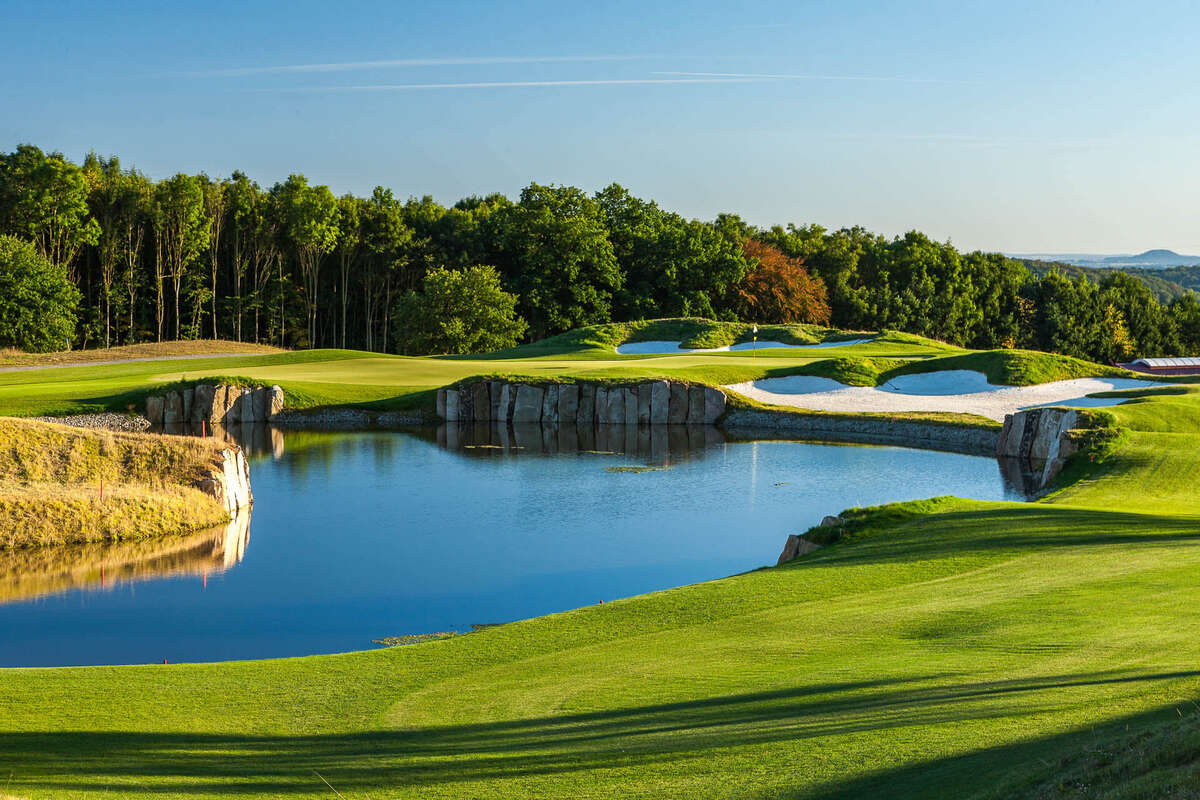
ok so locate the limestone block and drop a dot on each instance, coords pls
(495, 392)
(481, 402)
(550, 405)
(796, 546)
(695, 405)
(587, 404)
(466, 404)
(172, 409)
(452, 410)
(714, 405)
(568, 403)
(187, 395)
(660, 402)
(154, 410)
(601, 405)
(202, 402)
(504, 406)
(831, 521)
(631, 405)
(260, 404)
(222, 400)
(616, 407)
(643, 403)
(528, 407)
(441, 403)
(677, 413)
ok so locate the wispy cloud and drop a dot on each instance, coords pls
(816, 77)
(402, 87)
(397, 63)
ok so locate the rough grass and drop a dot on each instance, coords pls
(10, 357)
(50, 478)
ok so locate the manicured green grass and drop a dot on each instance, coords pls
(947, 648)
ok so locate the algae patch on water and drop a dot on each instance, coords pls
(635, 470)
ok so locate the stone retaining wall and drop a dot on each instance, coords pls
(762, 423)
(229, 482)
(215, 404)
(1040, 436)
(650, 403)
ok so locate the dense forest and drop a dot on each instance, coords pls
(97, 254)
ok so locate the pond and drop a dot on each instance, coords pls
(359, 536)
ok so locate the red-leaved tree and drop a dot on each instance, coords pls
(779, 289)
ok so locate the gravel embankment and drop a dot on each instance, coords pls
(108, 421)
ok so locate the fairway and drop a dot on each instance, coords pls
(343, 377)
(950, 648)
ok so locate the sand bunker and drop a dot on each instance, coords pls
(961, 391)
(673, 348)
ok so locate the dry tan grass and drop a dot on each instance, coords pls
(50, 479)
(10, 357)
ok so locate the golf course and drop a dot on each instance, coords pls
(941, 648)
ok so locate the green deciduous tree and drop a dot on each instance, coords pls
(309, 217)
(458, 311)
(183, 229)
(37, 300)
(555, 254)
(44, 198)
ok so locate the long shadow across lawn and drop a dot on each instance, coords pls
(76, 762)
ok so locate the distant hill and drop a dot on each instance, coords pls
(1153, 258)
(1167, 284)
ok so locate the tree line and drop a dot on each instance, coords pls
(118, 257)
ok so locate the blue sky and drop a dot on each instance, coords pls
(1025, 127)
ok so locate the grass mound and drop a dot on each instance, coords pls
(50, 478)
(1016, 367)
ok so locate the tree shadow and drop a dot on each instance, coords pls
(557, 746)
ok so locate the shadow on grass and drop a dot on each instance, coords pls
(1011, 529)
(549, 747)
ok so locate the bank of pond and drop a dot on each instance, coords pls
(357, 536)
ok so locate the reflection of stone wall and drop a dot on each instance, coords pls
(650, 403)
(654, 444)
(214, 405)
(762, 423)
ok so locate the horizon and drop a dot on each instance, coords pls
(968, 124)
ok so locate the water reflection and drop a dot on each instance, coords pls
(256, 438)
(654, 444)
(359, 535)
(36, 572)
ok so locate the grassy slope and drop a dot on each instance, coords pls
(50, 485)
(964, 649)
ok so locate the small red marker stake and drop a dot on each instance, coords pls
(102, 490)
(203, 429)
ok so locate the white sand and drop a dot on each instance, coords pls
(961, 391)
(673, 348)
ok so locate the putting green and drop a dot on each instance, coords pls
(952, 649)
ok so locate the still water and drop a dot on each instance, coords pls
(357, 536)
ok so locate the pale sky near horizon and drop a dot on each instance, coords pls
(1022, 127)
